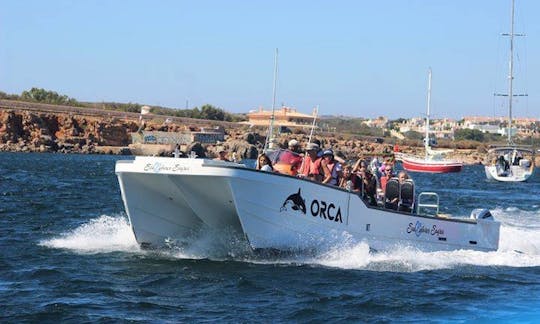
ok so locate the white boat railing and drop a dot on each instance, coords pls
(423, 207)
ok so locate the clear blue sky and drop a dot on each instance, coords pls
(354, 58)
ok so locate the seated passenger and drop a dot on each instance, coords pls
(264, 163)
(294, 146)
(331, 168)
(361, 163)
(385, 177)
(350, 180)
(222, 155)
(311, 166)
(369, 182)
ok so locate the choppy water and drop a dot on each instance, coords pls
(68, 254)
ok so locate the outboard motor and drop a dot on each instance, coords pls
(481, 213)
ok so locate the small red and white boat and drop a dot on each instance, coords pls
(431, 164)
(434, 161)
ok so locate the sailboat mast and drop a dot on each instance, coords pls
(426, 139)
(270, 135)
(511, 75)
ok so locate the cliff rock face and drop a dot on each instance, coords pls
(52, 132)
(39, 129)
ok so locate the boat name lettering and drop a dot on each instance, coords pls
(437, 231)
(326, 211)
(318, 208)
(158, 167)
(419, 229)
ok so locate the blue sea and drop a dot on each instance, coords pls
(68, 255)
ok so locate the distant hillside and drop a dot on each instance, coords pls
(38, 95)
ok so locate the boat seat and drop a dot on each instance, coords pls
(391, 194)
(406, 196)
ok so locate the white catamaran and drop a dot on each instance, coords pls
(175, 199)
(510, 163)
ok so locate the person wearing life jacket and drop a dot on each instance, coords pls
(311, 166)
(332, 168)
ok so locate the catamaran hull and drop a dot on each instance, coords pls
(170, 199)
(165, 203)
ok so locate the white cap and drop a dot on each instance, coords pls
(293, 142)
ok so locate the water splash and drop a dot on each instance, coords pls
(103, 234)
(213, 244)
(519, 247)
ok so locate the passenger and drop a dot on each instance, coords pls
(350, 180)
(222, 155)
(384, 179)
(311, 166)
(294, 146)
(387, 163)
(370, 187)
(359, 165)
(374, 166)
(264, 163)
(402, 176)
(320, 151)
(332, 168)
(506, 158)
(176, 151)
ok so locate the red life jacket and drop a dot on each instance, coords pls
(311, 168)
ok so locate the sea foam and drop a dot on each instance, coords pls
(103, 234)
(519, 246)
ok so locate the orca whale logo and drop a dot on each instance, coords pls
(296, 201)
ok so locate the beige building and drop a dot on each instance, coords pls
(285, 116)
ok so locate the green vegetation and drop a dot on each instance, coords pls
(413, 135)
(206, 112)
(353, 126)
(51, 97)
(48, 97)
(475, 135)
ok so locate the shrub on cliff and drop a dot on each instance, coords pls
(49, 97)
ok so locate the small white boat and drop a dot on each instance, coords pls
(510, 163)
(173, 199)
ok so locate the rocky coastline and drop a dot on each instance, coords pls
(33, 127)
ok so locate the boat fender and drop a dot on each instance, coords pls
(481, 213)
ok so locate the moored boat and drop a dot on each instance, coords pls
(172, 200)
(434, 160)
(430, 165)
(510, 163)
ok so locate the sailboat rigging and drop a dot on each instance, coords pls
(270, 136)
(433, 161)
(510, 163)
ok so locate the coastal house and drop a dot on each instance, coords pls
(379, 122)
(440, 128)
(497, 125)
(283, 117)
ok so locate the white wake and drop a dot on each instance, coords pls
(103, 234)
(519, 246)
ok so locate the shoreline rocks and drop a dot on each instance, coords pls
(35, 131)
